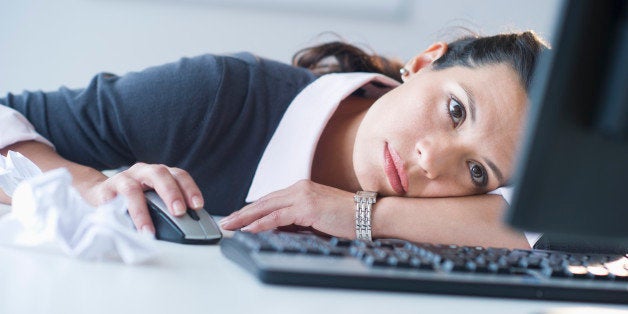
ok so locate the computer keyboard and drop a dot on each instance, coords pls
(278, 257)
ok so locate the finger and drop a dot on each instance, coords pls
(191, 192)
(132, 190)
(287, 193)
(260, 201)
(255, 211)
(277, 218)
(104, 194)
(159, 178)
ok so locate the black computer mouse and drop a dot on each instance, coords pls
(195, 227)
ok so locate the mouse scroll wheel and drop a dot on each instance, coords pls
(193, 214)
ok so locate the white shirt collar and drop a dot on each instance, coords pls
(289, 154)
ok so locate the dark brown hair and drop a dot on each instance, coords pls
(337, 57)
(519, 50)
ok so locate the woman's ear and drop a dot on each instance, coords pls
(431, 54)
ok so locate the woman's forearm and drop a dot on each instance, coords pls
(175, 186)
(470, 220)
(47, 159)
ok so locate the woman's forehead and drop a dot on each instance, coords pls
(500, 73)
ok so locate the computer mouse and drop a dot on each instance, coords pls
(195, 227)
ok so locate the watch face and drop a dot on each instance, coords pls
(365, 195)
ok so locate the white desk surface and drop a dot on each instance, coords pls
(198, 279)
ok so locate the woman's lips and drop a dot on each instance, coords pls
(393, 167)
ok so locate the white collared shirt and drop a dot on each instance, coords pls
(302, 125)
(15, 128)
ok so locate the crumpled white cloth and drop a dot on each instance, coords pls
(14, 169)
(48, 213)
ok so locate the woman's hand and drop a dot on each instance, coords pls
(175, 186)
(305, 203)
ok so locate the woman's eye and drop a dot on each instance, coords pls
(457, 113)
(478, 174)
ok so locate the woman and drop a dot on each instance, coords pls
(299, 146)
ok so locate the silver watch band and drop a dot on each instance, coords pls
(364, 201)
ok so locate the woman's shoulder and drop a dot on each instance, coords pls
(269, 68)
(241, 70)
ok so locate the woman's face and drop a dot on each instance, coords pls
(448, 132)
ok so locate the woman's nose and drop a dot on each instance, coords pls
(436, 157)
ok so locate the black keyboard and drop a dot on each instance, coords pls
(307, 259)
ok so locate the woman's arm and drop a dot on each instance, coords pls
(175, 186)
(152, 116)
(47, 159)
(471, 220)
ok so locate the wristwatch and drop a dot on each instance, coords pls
(364, 201)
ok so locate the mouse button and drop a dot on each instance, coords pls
(191, 228)
(156, 203)
(208, 224)
(192, 213)
(154, 197)
(165, 229)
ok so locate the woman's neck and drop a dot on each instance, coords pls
(333, 159)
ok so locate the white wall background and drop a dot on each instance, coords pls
(48, 43)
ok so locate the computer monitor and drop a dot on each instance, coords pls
(572, 177)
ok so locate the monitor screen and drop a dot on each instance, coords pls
(572, 177)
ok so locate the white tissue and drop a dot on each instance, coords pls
(14, 169)
(48, 213)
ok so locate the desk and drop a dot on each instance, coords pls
(198, 279)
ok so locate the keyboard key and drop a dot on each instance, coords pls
(340, 242)
(373, 259)
(357, 252)
(397, 262)
(579, 271)
(252, 242)
(390, 243)
(560, 272)
(617, 268)
(599, 272)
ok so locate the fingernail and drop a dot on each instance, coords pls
(246, 228)
(178, 207)
(196, 202)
